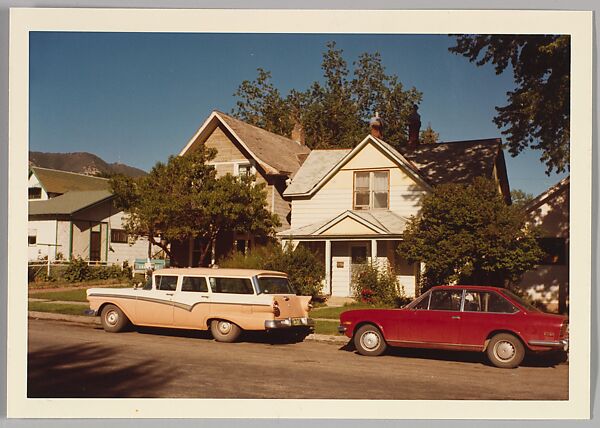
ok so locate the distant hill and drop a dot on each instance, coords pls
(83, 163)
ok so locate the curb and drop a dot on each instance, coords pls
(89, 320)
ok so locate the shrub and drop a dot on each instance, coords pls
(373, 285)
(77, 271)
(305, 271)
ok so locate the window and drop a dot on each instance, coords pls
(359, 255)
(555, 251)
(231, 285)
(118, 236)
(371, 190)
(32, 237)
(274, 285)
(194, 283)
(35, 193)
(166, 282)
(476, 301)
(445, 300)
(244, 170)
(423, 303)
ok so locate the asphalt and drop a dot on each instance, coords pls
(95, 321)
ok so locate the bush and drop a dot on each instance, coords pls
(373, 285)
(305, 271)
(77, 271)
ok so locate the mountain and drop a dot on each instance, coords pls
(83, 163)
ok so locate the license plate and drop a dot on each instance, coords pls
(297, 321)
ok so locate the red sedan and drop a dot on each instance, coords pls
(467, 318)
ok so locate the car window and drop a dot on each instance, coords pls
(194, 284)
(423, 303)
(274, 285)
(486, 301)
(445, 300)
(165, 282)
(231, 285)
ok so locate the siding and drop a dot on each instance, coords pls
(45, 234)
(119, 252)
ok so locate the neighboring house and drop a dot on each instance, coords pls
(243, 149)
(73, 216)
(548, 283)
(351, 205)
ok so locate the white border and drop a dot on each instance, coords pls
(578, 24)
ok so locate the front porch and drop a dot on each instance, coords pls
(352, 239)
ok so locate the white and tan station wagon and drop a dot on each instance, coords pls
(226, 301)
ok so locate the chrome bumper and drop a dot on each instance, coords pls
(342, 329)
(90, 312)
(564, 344)
(289, 322)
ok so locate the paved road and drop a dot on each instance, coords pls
(70, 360)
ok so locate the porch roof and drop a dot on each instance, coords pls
(382, 223)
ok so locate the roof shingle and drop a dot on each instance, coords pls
(55, 181)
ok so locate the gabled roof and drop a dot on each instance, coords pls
(552, 192)
(316, 166)
(276, 154)
(327, 165)
(55, 181)
(68, 203)
(456, 161)
(381, 222)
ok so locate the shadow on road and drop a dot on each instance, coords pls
(549, 359)
(87, 371)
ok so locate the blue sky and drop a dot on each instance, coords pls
(137, 98)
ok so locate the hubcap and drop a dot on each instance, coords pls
(370, 340)
(112, 317)
(224, 327)
(504, 350)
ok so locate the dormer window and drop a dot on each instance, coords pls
(371, 190)
(244, 170)
(35, 193)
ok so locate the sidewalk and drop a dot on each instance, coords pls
(95, 321)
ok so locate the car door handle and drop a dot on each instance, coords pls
(169, 294)
(456, 317)
(204, 297)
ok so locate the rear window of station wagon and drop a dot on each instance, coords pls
(231, 285)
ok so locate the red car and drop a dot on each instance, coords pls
(456, 317)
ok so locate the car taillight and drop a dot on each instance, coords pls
(276, 310)
(564, 329)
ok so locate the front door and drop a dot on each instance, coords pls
(155, 306)
(95, 246)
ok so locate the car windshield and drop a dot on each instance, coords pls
(519, 300)
(274, 285)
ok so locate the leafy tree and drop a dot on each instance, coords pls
(429, 136)
(333, 112)
(520, 198)
(537, 114)
(184, 198)
(467, 234)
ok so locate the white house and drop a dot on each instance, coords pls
(548, 283)
(352, 205)
(73, 215)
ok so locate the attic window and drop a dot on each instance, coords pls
(35, 193)
(244, 170)
(371, 190)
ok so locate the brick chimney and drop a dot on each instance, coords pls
(298, 134)
(376, 125)
(414, 127)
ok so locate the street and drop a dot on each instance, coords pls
(72, 360)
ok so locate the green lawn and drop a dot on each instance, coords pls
(58, 308)
(327, 327)
(333, 312)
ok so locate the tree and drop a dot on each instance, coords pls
(467, 234)
(334, 112)
(537, 114)
(520, 198)
(184, 198)
(429, 136)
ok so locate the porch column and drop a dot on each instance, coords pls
(373, 251)
(328, 266)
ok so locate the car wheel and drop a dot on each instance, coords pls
(113, 319)
(224, 331)
(505, 351)
(368, 340)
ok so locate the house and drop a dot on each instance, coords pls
(245, 149)
(548, 283)
(73, 216)
(352, 205)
